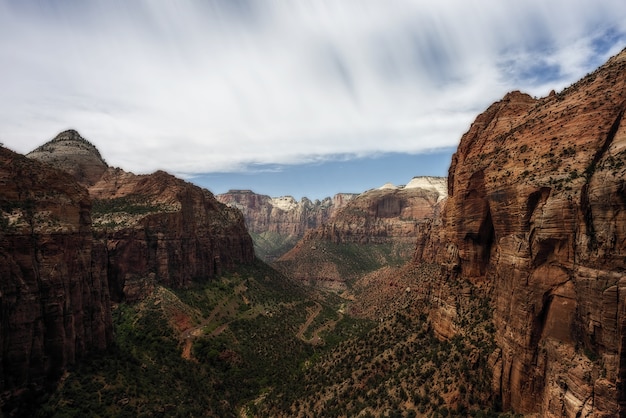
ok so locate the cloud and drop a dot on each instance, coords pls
(195, 87)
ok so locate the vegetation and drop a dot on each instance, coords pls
(241, 345)
(399, 368)
(242, 331)
(131, 205)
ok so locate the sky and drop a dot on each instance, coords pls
(302, 98)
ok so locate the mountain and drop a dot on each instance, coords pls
(512, 300)
(77, 235)
(74, 154)
(375, 229)
(157, 229)
(536, 218)
(54, 296)
(277, 223)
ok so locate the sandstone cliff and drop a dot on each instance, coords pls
(160, 229)
(154, 228)
(54, 296)
(375, 229)
(536, 217)
(276, 224)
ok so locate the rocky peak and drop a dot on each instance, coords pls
(72, 153)
(158, 229)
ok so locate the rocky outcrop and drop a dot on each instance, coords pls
(386, 213)
(54, 296)
(153, 228)
(535, 217)
(160, 229)
(375, 229)
(74, 154)
(276, 224)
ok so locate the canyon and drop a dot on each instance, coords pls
(276, 224)
(514, 265)
(374, 229)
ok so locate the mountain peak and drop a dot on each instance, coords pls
(70, 134)
(70, 152)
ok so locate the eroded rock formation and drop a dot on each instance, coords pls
(536, 216)
(154, 228)
(74, 154)
(54, 296)
(160, 229)
(276, 224)
(376, 228)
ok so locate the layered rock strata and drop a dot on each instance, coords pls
(74, 154)
(374, 229)
(536, 216)
(160, 229)
(54, 297)
(277, 223)
(155, 228)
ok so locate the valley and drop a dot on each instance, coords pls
(497, 291)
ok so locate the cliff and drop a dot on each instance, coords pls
(276, 224)
(154, 228)
(375, 229)
(536, 218)
(54, 297)
(160, 229)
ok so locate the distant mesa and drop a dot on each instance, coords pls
(435, 184)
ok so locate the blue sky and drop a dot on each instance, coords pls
(307, 98)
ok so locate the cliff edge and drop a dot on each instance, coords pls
(536, 217)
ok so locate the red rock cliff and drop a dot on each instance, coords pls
(536, 216)
(154, 228)
(54, 296)
(162, 229)
(374, 229)
(276, 224)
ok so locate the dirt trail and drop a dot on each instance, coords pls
(315, 336)
(188, 335)
(309, 321)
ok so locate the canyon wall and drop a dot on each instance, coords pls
(54, 297)
(375, 229)
(536, 217)
(160, 229)
(154, 228)
(277, 223)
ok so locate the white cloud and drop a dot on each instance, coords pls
(207, 86)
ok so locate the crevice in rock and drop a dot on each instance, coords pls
(483, 242)
(589, 171)
(621, 376)
(539, 321)
(534, 200)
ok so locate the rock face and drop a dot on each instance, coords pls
(154, 228)
(536, 216)
(74, 154)
(376, 228)
(160, 229)
(276, 224)
(54, 296)
(388, 212)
